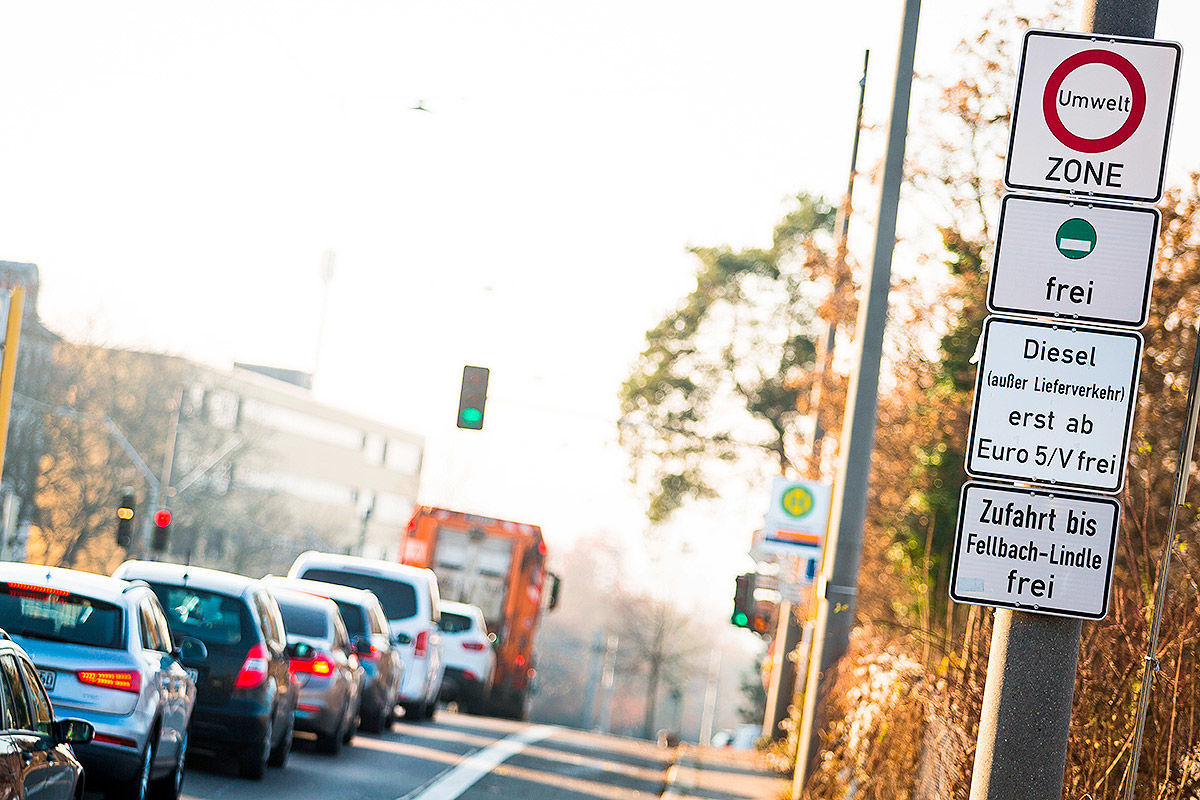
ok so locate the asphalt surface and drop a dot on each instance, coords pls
(455, 756)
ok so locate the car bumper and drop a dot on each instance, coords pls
(229, 727)
(458, 687)
(108, 763)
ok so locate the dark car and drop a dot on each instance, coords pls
(377, 650)
(246, 694)
(36, 759)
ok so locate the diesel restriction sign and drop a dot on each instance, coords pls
(1092, 115)
(1047, 552)
(1061, 258)
(1053, 404)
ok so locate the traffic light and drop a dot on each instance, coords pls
(743, 600)
(472, 397)
(162, 530)
(763, 617)
(125, 513)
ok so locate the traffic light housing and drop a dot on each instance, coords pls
(743, 600)
(763, 617)
(162, 530)
(472, 397)
(125, 514)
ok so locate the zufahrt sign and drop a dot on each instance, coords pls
(1092, 115)
(1034, 550)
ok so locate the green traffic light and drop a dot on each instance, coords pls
(741, 620)
(472, 416)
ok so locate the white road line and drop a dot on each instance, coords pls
(467, 772)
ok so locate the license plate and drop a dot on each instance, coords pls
(192, 673)
(48, 677)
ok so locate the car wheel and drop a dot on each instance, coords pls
(415, 712)
(137, 787)
(351, 728)
(279, 753)
(375, 720)
(254, 764)
(170, 786)
(331, 743)
(430, 709)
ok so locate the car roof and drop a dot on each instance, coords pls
(333, 591)
(464, 609)
(369, 566)
(99, 587)
(298, 598)
(182, 575)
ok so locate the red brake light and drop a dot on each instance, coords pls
(319, 665)
(371, 655)
(123, 680)
(422, 644)
(117, 740)
(520, 660)
(35, 592)
(476, 646)
(254, 669)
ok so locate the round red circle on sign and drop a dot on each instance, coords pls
(1137, 91)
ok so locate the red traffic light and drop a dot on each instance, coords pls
(162, 517)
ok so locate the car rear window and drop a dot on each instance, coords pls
(210, 617)
(355, 619)
(454, 623)
(398, 598)
(48, 613)
(304, 620)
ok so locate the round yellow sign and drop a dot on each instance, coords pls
(797, 501)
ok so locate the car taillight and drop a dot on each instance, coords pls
(320, 665)
(121, 679)
(122, 741)
(254, 669)
(476, 646)
(422, 645)
(373, 654)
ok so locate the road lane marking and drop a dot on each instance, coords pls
(450, 785)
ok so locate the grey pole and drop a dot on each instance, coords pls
(838, 584)
(1021, 753)
(1121, 17)
(783, 678)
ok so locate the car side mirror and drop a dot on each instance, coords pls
(300, 650)
(71, 731)
(190, 650)
(401, 638)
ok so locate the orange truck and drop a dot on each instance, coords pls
(499, 566)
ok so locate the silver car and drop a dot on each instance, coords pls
(103, 651)
(325, 664)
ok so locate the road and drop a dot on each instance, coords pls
(457, 756)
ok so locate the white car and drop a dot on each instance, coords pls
(409, 596)
(469, 656)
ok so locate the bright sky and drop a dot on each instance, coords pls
(177, 171)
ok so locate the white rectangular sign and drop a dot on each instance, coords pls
(1085, 261)
(796, 520)
(1047, 552)
(1054, 403)
(1092, 115)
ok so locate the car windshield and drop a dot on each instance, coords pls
(48, 613)
(301, 619)
(210, 617)
(454, 623)
(399, 599)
